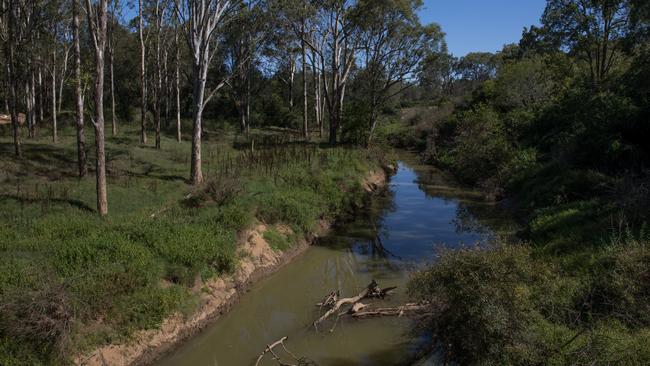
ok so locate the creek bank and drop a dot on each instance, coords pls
(218, 295)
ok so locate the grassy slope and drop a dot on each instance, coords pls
(70, 280)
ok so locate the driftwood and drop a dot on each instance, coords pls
(334, 303)
(406, 309)
(280, 342)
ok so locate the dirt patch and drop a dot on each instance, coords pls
(218, 295)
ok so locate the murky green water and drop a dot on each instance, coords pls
(397, 234)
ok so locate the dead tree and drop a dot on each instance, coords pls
(335, 303)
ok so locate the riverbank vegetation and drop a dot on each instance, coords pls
(556, 128)
(141, 139)
(72, 280)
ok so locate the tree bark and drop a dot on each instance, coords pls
(198, 93)
(79, 104)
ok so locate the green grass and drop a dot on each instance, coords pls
(277, 240)
(71, 281)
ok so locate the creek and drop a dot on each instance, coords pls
(397, 233)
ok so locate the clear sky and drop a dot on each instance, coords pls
(481, 25)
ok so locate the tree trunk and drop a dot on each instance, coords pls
(248, 98)
(166, 84)
(79, 105)
(158, 85)
(55, 137)
(143, 80)
(31, 108)
(41, 92)
(97, 27)
(317, 100)
(198, 93)
(292, 77)
(178, 89)
(305, 104)
(62, 78)
(111, 54)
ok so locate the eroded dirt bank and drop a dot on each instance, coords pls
(218, 295)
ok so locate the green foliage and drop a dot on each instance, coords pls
(504, 306)
(276, 240)
(480, 321)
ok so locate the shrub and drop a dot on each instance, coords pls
(484, 304)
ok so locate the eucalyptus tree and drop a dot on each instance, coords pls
(201, 21)
(245, 39)
(593, 30)
(436, 72)
(335, 40)
(393, 44)
(97, 13)
(297, 16)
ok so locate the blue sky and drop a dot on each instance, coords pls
(481, 25)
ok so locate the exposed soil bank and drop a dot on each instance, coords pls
(218, 295)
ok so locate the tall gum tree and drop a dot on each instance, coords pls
(201, 20)
(335, 41)
(97, 25)
(393, 45)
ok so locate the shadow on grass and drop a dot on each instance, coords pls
(72, 202)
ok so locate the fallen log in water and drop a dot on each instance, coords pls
(335, 303)
(280, 342)
(406, 309)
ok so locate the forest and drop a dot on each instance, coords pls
(157, 155)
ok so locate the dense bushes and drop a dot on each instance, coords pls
(505, 306)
